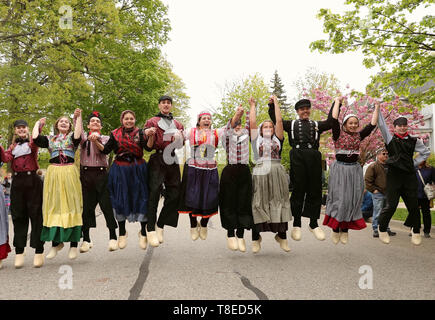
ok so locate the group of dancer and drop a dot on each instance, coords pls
(62, 208)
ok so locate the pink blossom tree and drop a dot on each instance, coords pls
(360, 105)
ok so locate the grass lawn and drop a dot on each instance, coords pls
(402, 213)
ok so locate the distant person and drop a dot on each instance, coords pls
(367, 206)
(376, 182)
(427, 173)
(7, 190)
(4, 229)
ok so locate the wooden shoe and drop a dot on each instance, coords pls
(256, 245)
(159, 232)
(241, 244)
(152, 238)
(85, 246)
(318, 233)
(416, 239)
(344, 237)
(203, 233)
(19, 260)
(122, 241)
(296, 233)
(283, 243)
(113, 245)
(72, 254)
(142, 241)
(54, 250)
(38, 260)
(335, 237)
(194, 233)
(232, 243)
(384, 237)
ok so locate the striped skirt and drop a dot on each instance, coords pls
(345, 196)
(271, 202)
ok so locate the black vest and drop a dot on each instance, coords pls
(304, 134)
(401, 153)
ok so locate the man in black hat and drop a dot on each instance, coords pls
(305, 166)
(26, 193)
(163, 168)
(401, 177)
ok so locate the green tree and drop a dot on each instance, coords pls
(307, 85)
(239, 92)
(277, 88)
(316, 79)
(108, 57)
(403, 49)
(176, 89)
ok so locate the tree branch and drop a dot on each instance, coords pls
(408, 33)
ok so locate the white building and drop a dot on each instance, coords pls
(429, 125)
(429, 118)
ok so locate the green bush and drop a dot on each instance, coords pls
(431, 160)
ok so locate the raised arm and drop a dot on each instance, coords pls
(279, 130)
(328, 123)
(253, 119)
(335, 125)
(336, 107)
(82, 135)
(286, 123)
(237, 115)
(367, 130)
(38, 127)
(375, 115)
(423, 153)
(384, 129)
(79, 124)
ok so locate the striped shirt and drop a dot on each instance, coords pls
(237, 146)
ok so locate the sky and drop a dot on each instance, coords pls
(217, 41)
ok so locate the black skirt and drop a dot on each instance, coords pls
(235, 197)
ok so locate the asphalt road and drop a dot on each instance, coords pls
(184, 269)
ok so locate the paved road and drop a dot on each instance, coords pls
(185, 269)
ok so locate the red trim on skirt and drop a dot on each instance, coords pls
(4, 250)
(184, 212)
(207, 216)
(334, 224)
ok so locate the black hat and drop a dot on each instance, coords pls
(401, 121)
(95, 114)
(163, 98)
(303, 103)
(20, 123)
